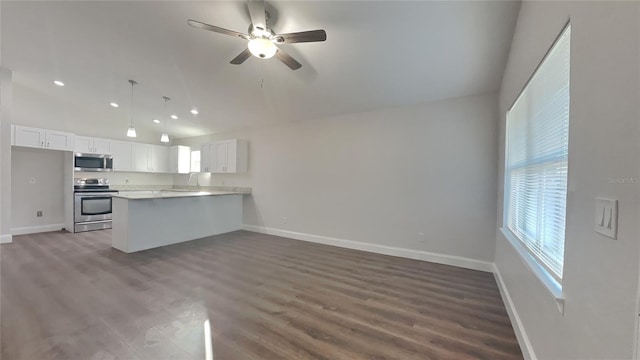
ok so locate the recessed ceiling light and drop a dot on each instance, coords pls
(174, 117)
(156, 121)
(114, 104)
(58, 82)
(194, 111)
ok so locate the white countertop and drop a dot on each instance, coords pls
(166, 194)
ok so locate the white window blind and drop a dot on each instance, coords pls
(536, 161)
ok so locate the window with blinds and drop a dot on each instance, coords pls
(536, 160)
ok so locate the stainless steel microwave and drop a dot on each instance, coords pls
(92, 162)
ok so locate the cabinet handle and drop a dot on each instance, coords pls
(47, 144)
(41, 143)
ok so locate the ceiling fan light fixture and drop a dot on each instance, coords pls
(262, 48)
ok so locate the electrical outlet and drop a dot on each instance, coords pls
(284, 220)
(421, 237)
(39, 213)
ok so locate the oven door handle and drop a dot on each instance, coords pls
(104, 194)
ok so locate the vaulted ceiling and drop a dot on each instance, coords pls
(377, 54)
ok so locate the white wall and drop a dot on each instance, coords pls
(600, 274)
(45, 194)
(378, 177)
(6, 95)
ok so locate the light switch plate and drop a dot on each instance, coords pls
(606, 219)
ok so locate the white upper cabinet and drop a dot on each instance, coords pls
(90, 145)
(141, 157)
(30, 137)
(122, 152)
(83, 144)
(180, 159)
(226, 156)
(150, 158)
(58, 140)
(127, 156)
(42, 138)
(158, 158)
(205, 158)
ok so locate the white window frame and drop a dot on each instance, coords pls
(548, 278)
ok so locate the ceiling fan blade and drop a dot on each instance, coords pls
(241, 57)
(288, 60)
(201, 25)
(300, 37)
(256, 11)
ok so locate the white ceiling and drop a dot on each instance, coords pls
(377, 54)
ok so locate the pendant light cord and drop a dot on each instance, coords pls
(165, 112)
(132, 82)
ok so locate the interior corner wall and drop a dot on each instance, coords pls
(6, 97)
(600, 274)
(379, 177)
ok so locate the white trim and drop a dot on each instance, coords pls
(516, 323)
(553, 288)
(458, 261)
(36, 229)
(5, 239)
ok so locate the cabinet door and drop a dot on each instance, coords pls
(230, 166)
(159, 158)
(205, 158)
(141, 157)
(83, 144)
(102, 146)
(58, 140)
(180, 159)
(220, 156)
(30, 137)
(122, 152)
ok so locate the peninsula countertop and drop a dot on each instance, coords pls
(171, 193)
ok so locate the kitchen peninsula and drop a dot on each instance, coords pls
(147, 219)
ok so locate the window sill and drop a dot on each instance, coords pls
(550, 284)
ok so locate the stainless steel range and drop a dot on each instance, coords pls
(92, 205)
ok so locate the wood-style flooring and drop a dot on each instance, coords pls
(71, 296)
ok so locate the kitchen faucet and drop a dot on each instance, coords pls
(197, 179)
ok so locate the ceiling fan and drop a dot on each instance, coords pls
(262, 41)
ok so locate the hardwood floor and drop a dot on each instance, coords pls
(71, 296)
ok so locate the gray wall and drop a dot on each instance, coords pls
(378, 177)
(600, 275)
(44, 168)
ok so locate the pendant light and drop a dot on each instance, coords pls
(165, 137)
(131, 132)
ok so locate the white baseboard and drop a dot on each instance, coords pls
(36, 229)
(5, 239)
(378, 249)
(516, 323)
